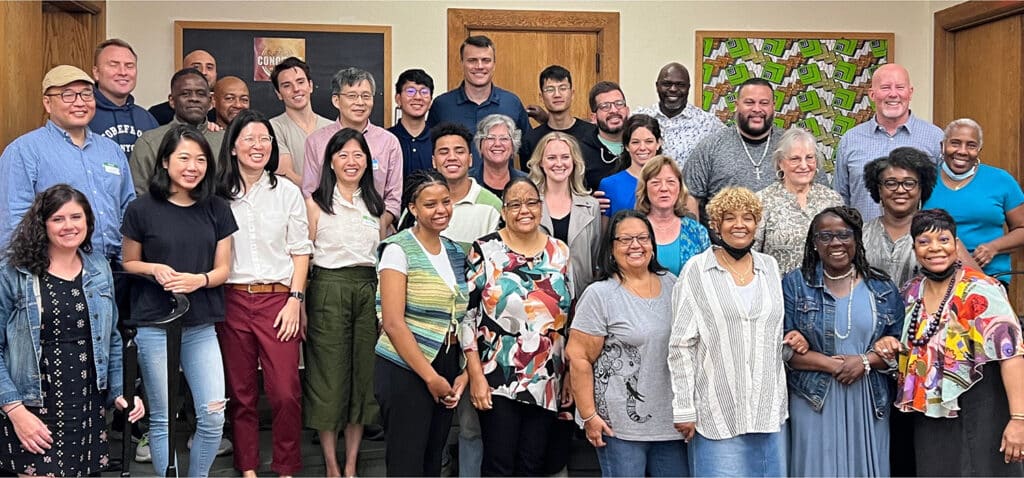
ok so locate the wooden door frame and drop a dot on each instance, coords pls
(947, 22)
(605, 24)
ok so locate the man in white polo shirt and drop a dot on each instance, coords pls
(475, 211)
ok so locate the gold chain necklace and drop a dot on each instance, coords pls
(742, 278)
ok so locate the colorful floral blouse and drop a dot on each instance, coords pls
(517, 318)
(978, 326)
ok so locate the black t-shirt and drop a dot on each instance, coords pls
(579, 130)
(184, 238)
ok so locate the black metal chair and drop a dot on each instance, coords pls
(178, 305)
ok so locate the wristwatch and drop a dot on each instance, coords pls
(298, 295)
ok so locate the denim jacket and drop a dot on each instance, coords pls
(20, 351)
(812, 312)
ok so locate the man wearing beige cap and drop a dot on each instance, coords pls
(64, 150)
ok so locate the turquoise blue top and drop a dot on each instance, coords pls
(692, 240)
(979, 209)
(620, 189)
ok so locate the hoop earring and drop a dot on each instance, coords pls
(780, 174)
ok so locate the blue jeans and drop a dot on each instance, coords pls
(751, 454)
(204, 372)
(471, 445)
(643, 458)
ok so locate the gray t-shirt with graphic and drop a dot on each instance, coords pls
(632, 387)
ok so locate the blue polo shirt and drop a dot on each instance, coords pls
(417, 152)
(46, 156)
(454, 106)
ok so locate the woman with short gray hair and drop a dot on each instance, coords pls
(791, 203)
(497, 139)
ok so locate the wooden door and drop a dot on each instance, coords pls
(521, 56)
(43, 34)
(585, 43)
(979, 49)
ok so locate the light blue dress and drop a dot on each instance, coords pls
(845, 438)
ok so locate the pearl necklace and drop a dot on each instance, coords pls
(757, 165)
(849, 301)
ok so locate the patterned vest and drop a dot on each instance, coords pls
(432, 309)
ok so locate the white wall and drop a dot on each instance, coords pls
(652, 33)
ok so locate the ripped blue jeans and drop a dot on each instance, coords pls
(204, 371)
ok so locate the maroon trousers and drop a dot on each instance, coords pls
(248, 339)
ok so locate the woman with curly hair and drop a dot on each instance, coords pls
(727, 351)
(60, 352)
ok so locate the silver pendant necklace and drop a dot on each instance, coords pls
(757, 165)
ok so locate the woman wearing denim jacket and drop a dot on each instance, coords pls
(839, 394)
(60, 353)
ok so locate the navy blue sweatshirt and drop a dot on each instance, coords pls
(122, 124)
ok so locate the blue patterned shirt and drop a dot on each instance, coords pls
(46, 156)
(869, 141)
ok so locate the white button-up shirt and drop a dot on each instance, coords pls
(272, 227)
(347, 238)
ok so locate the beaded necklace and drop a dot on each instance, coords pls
(849, 301)
(916, 316)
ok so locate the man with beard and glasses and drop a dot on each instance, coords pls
(683, 125)
(602, 148)
(737, 156)
(892, 126)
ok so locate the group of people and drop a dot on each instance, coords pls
(693, 296)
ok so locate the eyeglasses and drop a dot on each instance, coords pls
(501, 139)
(517, 205)
(366, 97)
(642, 239)
(69, 96)
(550, 90)
(893, 185)
(795, 160)
(682, 85)
(825, 237)
(251, 140)
(608, 105)
(411, 92)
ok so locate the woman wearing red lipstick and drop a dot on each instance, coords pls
(961, 371)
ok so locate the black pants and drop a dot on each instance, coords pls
(515, 437)
(415, 427)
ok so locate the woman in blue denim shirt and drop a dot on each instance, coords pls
(840, 397)
(60, 353)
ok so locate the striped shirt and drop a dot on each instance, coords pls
(869, 140)
(432, 308)
(726, 355)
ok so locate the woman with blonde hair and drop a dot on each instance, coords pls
(661, 196)
(570, 213)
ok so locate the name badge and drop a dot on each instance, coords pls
(376, 165)
(112, 168)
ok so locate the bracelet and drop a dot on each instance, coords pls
(22, 404)
(1017, 416)
(866, 362)
(207, 277)
(591, 417)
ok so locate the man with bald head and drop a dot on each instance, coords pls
(203, 61)
(230, 97)
(892, 126)
(683, 125)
